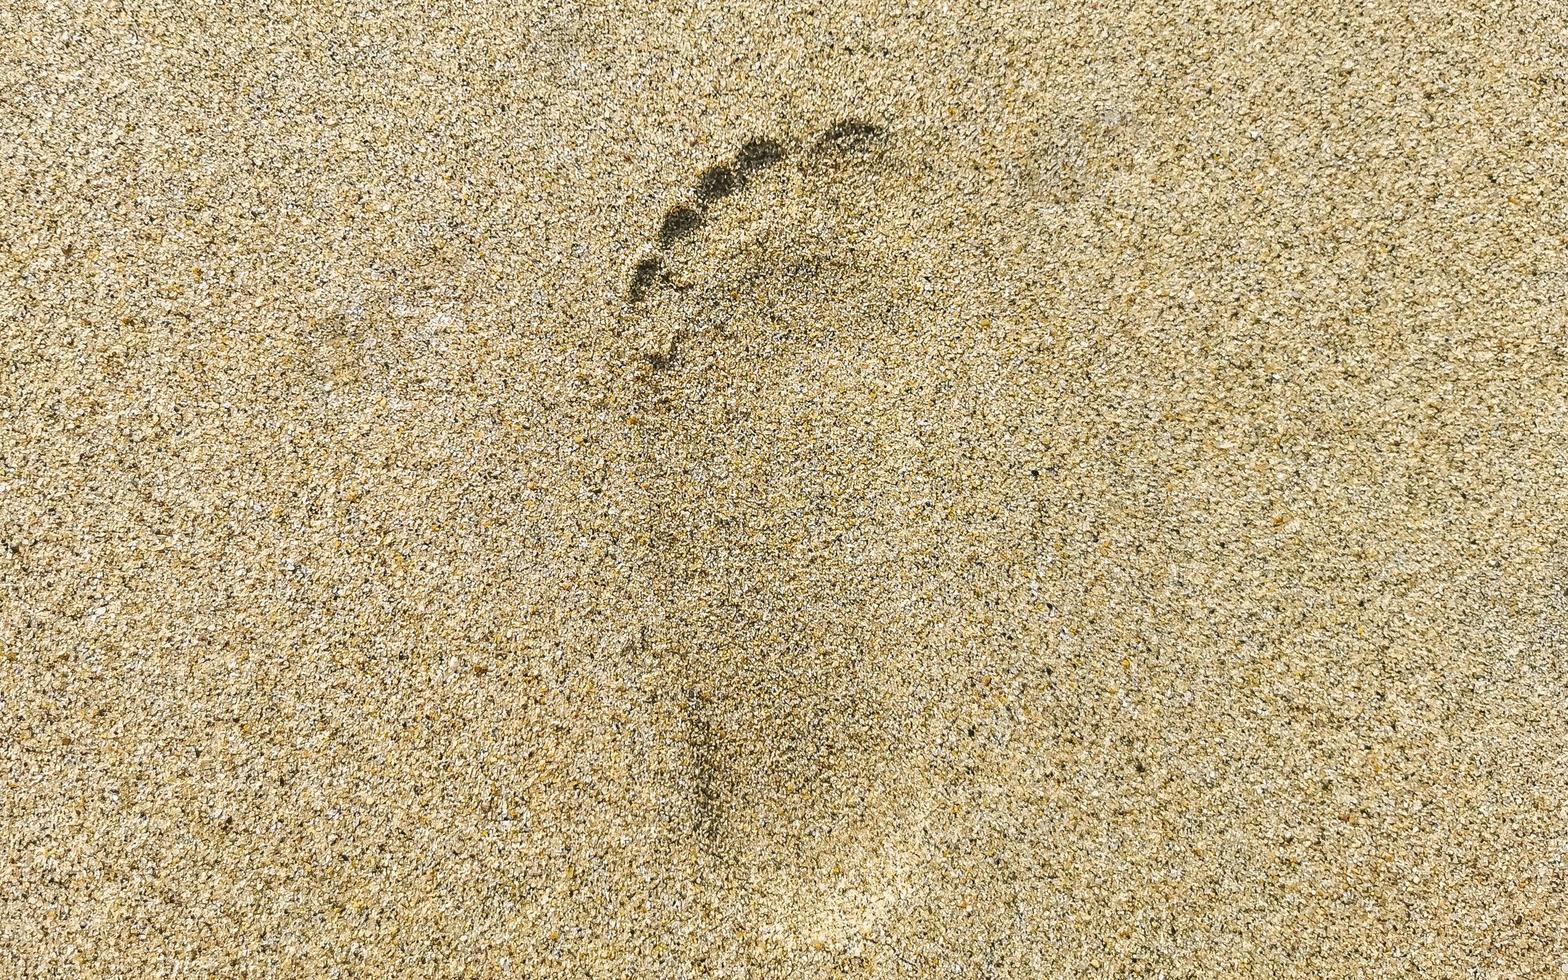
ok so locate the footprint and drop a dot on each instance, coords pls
(702, 767)
(739, 313)
(701, 242)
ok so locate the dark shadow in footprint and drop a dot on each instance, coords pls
(723, 179)
(680, 222)
(719, 180)
(644, 275)
(704, 768)
(756, 154)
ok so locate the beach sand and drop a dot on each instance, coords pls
(784, 490)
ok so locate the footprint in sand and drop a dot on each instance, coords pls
(745, 312)
(724, 244)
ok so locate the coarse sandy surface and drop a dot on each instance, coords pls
(783, 490)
